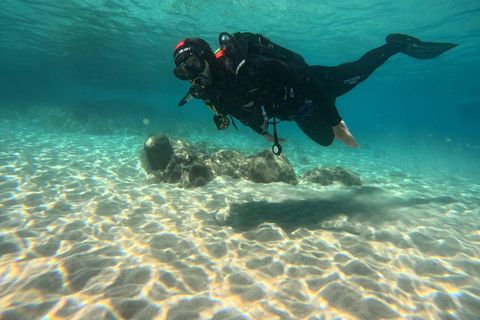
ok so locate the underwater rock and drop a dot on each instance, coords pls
(265, 167)
(189, 171)
(228, 162)
(326, 176)
(158, 152)
(174, 160)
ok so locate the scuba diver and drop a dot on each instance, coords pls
(259, 83)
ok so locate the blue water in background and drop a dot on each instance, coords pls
(114, 58)
(80, 78)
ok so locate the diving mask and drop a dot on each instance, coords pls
(191, 68)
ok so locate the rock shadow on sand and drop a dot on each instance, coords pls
(371, 204)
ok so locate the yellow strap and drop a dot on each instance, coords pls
(212, 107)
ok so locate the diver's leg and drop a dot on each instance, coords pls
(343, 78)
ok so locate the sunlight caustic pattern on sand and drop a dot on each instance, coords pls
(83, 236)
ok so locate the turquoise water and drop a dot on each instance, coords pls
(84, 236)
(102, 54)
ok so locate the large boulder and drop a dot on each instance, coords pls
(175, 161)
(266, 167)
(228, 162)
(157, 152)
(189, 171)
(327, 175)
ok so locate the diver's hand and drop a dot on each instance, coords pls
(271, 138)
(342, 134)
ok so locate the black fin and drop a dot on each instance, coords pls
(419, 49)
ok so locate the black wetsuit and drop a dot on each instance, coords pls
(263, 88)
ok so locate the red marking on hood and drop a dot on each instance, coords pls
(180, 44)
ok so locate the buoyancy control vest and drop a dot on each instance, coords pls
(238, 46)
(235, 49)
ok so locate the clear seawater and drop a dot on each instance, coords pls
(84, 82)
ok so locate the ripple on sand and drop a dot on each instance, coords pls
(135, 309)
(4, 217)
(76, 248)
(46, 283)
(195, 278)
(190, 308)
(265, 233)
(217, 250)
(109, 251)
(351, 301)
(33, 200)
(60, 208)
(340, 296)
(306, 260)
(470, 303)
(444, 302)
(443, 247)
(26, 234)
(108, 208)
(257, 263)
(164, 256)
(170, 281)
(240, 279)
(341, 258)
(394, 238)
(29, 311)
(431, 267)
(152, 227)
(163, 241)
(300, 310)
(129, 283)
(48, 249)
(407, 285)
(68, 309)
(229, 314)
(359, 268)
(8, 185)
(78, 224)
(318, 283)
(360, 250)
(472, 268)
(274, 270)
(81, 196)
(8, 247)
(158, 293)
(253, 293)
(296, 273)
(293, 290)
(81, 268)
(74, 235)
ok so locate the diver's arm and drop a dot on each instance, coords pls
(271, 138)
(259, 129)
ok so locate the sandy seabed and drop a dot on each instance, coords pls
(83, 236)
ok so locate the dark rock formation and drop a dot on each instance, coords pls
(177, 161)
(228, 162)
(326, 176)
(158, 152)
(265, 167)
